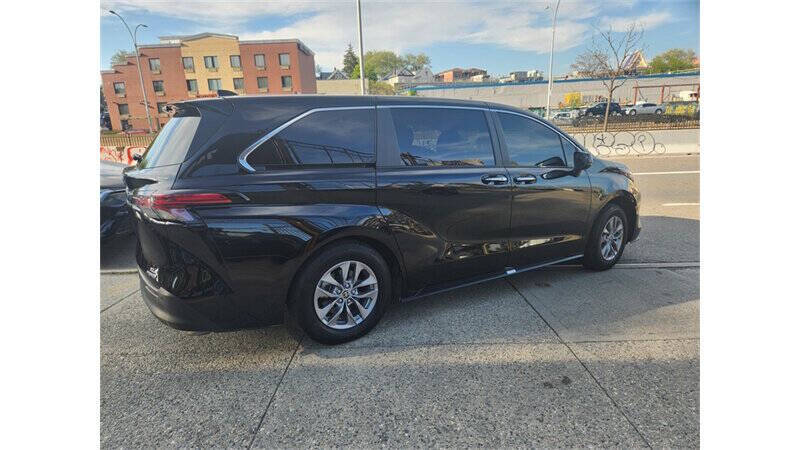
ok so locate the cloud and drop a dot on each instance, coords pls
(328, 26)
(646, 21)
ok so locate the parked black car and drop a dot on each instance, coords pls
(599, 109)
(114, 212)
(330, 207)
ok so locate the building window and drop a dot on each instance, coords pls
(162, 108)
(191, 85)
(262, 83)
(261, 62)
(125, 125)
(158, 86)
(211, 62)
(155, 65)
(123, 109)
(236, 61)
(286, 83)
(214, 84)
(188, 64)
(119, 89)
(238, 83)
(283, 59)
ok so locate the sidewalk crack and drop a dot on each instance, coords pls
(585, 367)
(274, 393)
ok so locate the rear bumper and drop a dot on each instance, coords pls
(176, 312)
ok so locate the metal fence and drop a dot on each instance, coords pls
(126, 140)
(633, 123)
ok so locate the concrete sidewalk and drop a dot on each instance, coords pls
(555, 358)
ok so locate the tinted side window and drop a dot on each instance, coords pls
(322, 138)
(530, 143)
(442, 137)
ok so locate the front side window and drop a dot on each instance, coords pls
(123, 109)
(191, 85)
(442, 137)
(236, 61)
(260, 61)
(211, 62)
(214, 84)
(531, 144)
(119, 88)
(188, 63)
(158, 86)
(155, 65)
(262, 83)
(283, 59)
(238, 83)
(286, 83)
(323, 138)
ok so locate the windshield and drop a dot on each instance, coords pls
(171, 144)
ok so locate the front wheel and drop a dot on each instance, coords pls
(607, 239)
(658, 111)
(342, 293)
(632, 112)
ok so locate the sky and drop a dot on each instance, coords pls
(499, 36)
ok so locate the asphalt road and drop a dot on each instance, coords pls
(557, 358)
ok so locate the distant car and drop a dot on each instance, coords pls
(114, 215)
(562, 118)
(599, 109)
(644, 108)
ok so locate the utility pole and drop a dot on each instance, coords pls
(360, 48)
(138, 66)
(552, 47)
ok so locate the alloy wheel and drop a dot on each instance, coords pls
(611, 238)
(346, 294)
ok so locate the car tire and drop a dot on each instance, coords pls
(307, 303)
(602, 250)
(632, 112)
(658, 111)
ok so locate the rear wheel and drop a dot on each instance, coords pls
(658, 111)
(607, 240)
(632, 112)
(342, 293)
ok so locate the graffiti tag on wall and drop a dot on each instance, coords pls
(620, 143)
(120, 154)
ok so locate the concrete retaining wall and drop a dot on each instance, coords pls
(535, 94)
(632, 143)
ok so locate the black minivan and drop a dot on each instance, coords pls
(324, 209)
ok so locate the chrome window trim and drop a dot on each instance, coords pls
(243, 156)
(480, 108)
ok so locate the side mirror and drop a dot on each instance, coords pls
(582, 161)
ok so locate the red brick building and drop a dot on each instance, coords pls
(183, 67)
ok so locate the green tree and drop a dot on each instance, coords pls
(672, 60)
(369, 72)
(414, 62)
(120, 57)
(380, 88)
(350, 60)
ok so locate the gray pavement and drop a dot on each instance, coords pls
(556, 358)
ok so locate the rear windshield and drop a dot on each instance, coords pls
(171, 144)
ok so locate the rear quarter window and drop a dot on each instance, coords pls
(171, 144)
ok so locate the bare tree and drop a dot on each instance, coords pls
(610, 57)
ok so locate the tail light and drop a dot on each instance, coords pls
(176, 207)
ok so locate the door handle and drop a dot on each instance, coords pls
(525, 179)
(494, 179)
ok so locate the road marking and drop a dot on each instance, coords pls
(680, 204)
(677, 172)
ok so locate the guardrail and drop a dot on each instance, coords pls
(126, 140)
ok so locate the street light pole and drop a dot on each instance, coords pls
(552, 47)
(360, 48)
(138, 66)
